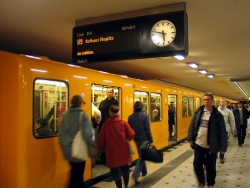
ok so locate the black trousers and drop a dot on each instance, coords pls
(201, 157)
(241, 134)
(76, 175)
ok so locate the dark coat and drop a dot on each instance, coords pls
(112, 139)
(170, 118)
(237, 117)
(140, 124)
(104, 109)
(217, 135)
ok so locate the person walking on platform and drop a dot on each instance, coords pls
(229, 121)
(241, 115)
(207, 136)
(113, 140)
(104, 109)
(140, 124)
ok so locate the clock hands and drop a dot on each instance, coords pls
(163, 34)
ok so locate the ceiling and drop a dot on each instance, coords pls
(218, 32)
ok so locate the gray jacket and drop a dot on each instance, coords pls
(217, 135)
(69, 126)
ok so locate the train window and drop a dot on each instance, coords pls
(184, 106)
(143, 97)
(191, 106)
(50, 100)
(156, 107)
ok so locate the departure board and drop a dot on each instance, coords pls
(108, 41)
(132, 38)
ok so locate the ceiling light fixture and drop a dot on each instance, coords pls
(203, 71)
(193, 65)
(210, 75)
(241, 89)
(179, 57)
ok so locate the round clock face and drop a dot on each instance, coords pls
(163, 33)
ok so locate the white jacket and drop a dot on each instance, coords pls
(228, 117)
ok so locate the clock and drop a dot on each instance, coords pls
(163, 33)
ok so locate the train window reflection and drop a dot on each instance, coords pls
(184, 106)
(50, 100)
(191, 106)
(143, 97)
(156, 107)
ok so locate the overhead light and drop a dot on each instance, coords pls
(203, 71)
(179, 57)
(210, 75)
(193, 65)
(241, 89)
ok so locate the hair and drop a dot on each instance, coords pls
(209, 94)
(138, 106)
(110, 88)
(240, 102)
(155, 110)
(43, 122)
(114, 109)
(76, 101)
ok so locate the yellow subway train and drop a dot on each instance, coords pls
(34, 87)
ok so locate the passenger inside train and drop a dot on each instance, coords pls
(43, 128)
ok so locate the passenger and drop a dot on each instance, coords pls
(43, 128)
(56, 117)
(69, 126)
(229, 121)
(139, 122)
(170, 122)
(228, 105)
(156, 116)
(96, 120)
(241, 115)
(104, 108)
(113, 140)
(207, 136)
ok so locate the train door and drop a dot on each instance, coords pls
(98, 94)
(173, 118)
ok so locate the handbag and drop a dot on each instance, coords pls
(80, 149)
(131, 151)
(150, 153)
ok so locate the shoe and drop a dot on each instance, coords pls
(222, 161)
(137, 182)
(201, 186)
(240, 145)
(144, 174)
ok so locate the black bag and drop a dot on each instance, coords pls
(149, 153)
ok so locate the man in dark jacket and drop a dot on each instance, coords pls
(241, 115)
(207, 136)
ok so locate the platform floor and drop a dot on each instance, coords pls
(177, 169)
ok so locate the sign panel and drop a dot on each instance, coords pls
(108, 41)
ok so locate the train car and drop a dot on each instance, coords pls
(36, 87)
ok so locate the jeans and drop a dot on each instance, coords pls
(201, 157)
(241, 134)
(140, 165)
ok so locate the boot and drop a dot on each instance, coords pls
(118, 183)
(126, 180)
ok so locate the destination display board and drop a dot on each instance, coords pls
(108, 41)
(141, 37)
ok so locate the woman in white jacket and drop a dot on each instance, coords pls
(229, 121)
